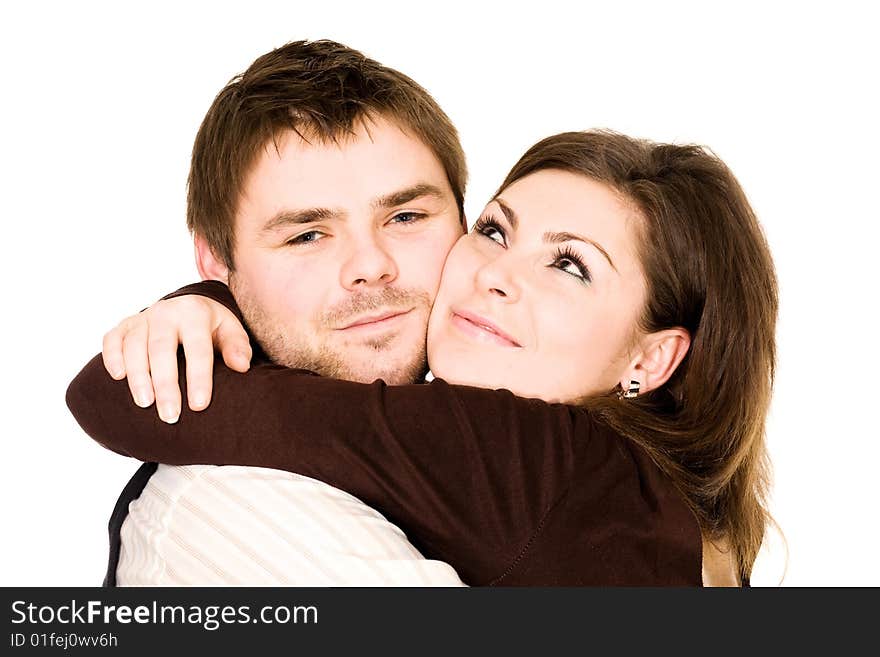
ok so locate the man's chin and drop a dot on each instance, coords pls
(362, 362)
(393, 376)
(393, 368)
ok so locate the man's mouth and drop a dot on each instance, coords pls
(381, 320)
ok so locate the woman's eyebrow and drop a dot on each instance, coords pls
(556, 238)
(512, 219)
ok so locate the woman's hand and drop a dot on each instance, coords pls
(143, 347)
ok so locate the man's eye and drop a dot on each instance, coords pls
(407, 217)
(307, 238)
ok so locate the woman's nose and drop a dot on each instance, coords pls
(498, 278)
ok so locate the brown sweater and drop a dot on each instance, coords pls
(509, 491)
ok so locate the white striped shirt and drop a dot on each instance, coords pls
(210, 525)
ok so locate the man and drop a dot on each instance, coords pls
(326, 190)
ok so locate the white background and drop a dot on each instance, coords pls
(100, 105)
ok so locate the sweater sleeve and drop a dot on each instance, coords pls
(469, 473)
(216, 290)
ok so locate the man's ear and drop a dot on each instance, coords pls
(210, 266)
(661, 353)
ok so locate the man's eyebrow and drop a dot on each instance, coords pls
(304, 216)
(556, 238)
(311, 215)
(407, 195)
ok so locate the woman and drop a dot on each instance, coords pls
(627, 279)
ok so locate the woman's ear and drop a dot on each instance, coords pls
(661, 353)
(209, 265)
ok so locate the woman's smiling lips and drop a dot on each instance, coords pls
(482, 329)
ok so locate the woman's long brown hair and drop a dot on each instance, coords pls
(708, 270)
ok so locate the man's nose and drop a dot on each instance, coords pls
(369, 262)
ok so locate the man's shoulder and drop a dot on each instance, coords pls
(209, 524)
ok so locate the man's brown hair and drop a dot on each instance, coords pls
(321, 90)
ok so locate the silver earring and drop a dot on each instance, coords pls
(632, 392)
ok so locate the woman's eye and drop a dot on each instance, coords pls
(573, 265)
(490, 228)
(493, 234)
(307, 238)
(570, 267)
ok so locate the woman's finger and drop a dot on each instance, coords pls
(162, 350)
(136, 359)
(199, 351)
(232, 341)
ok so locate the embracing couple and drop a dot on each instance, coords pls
(572, 393)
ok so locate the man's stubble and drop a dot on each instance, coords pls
(370, 360)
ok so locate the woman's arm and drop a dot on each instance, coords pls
(142, 348)
(468, 473)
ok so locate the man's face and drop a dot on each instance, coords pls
(339, 250)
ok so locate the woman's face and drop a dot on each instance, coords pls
(542, 297)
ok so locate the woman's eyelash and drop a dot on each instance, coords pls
(488, 223)
(567, 253)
